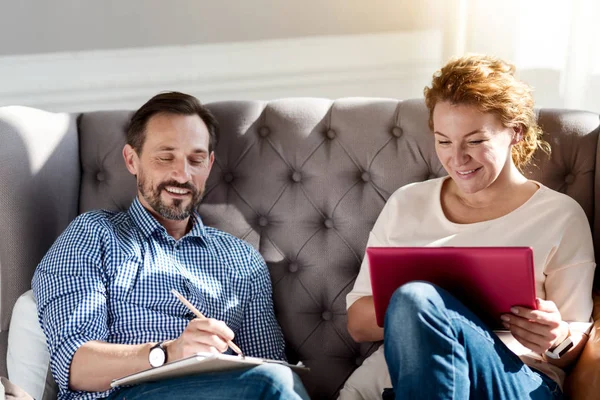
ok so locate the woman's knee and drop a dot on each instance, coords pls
(414, 295)
(412, 300)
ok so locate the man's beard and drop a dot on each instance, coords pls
(176, 211)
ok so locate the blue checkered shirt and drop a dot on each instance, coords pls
(108, 277)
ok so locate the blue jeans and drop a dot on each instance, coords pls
(436, 348)
(268, 381)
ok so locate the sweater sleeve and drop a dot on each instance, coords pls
(570, 271)
(377, 238)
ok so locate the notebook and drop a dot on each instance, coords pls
(488, 280)
(197, 364)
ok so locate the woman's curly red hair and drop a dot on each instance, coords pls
(489, 84)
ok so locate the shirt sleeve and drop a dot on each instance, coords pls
(377, 238)
(260, 334)
(69, 288)
(570, 272)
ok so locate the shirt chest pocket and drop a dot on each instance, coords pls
(144, 285)
(222, 294)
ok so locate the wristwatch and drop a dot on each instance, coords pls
(157, 355)
(561, 349)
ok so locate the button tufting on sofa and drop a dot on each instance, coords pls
(100, 176)
(228, 177)
(328, 223)
(297, 176)
(569, 179)
(327, 315)
(365, 176)
(263, 221)
(310, 266)
(264, 131)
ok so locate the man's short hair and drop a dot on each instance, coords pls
(170, 103)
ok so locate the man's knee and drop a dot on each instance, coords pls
(278, 379)
(274, 374)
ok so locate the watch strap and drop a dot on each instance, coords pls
(159, 345)
(562, 348)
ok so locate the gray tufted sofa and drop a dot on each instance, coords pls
(302, 180)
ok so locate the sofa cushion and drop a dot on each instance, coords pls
(28, 360)
(10, 391)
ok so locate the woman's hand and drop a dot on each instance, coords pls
(538, 330)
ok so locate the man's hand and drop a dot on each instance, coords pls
(538, 330)
(201, 334)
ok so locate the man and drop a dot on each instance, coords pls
(103, 290)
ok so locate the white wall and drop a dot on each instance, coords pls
(78, 55)
(45, 26)
(83, 55)
(377, 65)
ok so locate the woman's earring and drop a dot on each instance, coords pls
(517, 137)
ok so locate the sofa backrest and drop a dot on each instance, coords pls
(39, 196)
(302, 180)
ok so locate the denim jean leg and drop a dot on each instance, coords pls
(436, 348)
(269, 382)
(420, 349)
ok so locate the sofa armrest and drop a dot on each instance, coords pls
(583, 382)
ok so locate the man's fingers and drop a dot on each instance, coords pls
(213, 326)
(213, 341)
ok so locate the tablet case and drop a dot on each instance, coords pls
(488, 280)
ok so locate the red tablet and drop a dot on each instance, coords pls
(488, 280)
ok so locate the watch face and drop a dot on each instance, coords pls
(157, 356)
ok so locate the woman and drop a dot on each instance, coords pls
(485, 132)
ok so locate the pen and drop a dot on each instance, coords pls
(198, 314)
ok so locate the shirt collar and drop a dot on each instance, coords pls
(147, 224)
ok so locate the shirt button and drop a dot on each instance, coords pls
(190, 315)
